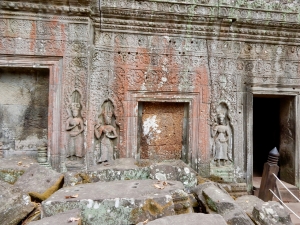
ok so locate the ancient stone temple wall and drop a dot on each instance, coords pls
(128, 69)
(106, 59)
(55, 37)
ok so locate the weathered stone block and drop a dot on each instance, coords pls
(248, 202)
(189, 219)
(271, 213)
(217, 200)
(115, 202)
(198, 192)
(40, 182)
(66, 218)
(182, 203)
(15, 205)
(176, 170)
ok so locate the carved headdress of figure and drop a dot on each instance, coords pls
(221, 117)
(222, 113)
(74, 106)
(107, 113)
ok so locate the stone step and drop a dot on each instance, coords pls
(236, 190)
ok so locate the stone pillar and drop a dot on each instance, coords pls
(268, 180)
(42, 156)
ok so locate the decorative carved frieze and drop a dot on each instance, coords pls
(202, 18)
(75, 78)
(31, 47)
(34, 29)
(56, 7)
(78, 31)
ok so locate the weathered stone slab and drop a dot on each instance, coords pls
(271, 213)
(189, 219)
(40, 182)
(12, 168)
(126, 169)
(66, 218)
(121, 169)
(248, 202)
(115, 202)
(14, 204)
(217, 200)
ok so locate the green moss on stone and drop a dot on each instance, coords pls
(10, 175)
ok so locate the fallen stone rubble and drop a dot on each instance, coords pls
(218, 201)
(165, 193)
(40, 182)
(14, 204)
(189, 219)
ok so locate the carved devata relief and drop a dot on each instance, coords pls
(74, 150)
(106, 134)
(222, 137)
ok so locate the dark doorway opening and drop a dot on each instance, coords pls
(274, 126)
(266, 130)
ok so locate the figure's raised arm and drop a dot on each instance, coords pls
(214, 130)
(80, 126)
(98, 131)
(115, 132)
(68, 125)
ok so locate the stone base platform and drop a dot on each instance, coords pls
(116, 202)
(129, 169)
(222, 174)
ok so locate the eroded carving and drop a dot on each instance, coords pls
(222, 138)
(74, 127)
(106, 133)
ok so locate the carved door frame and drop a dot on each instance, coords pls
(131, 119)
(274, 91)
(54, 64)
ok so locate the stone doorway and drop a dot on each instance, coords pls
(24, 94)
(274, 126)
(162, 130)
